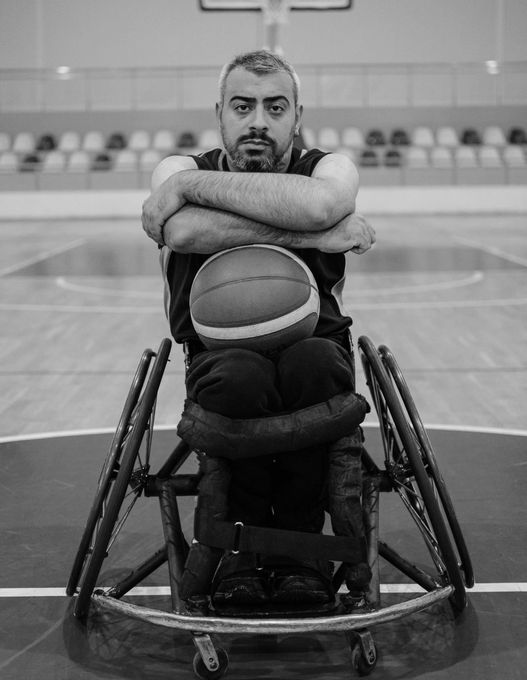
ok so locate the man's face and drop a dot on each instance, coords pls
(258, 120)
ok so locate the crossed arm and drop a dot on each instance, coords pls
(205, 211)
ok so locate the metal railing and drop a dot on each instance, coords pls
(323, 85)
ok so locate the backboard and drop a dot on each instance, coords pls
(274, 12)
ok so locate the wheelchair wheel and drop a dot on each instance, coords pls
(430, 462)
(122, 479)
(404, 461)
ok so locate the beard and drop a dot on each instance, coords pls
(265, 159)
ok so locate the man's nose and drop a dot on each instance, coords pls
(259, 119)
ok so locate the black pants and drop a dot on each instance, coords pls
(286, 491)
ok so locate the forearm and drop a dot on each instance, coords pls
(196, 229)
(292, 202)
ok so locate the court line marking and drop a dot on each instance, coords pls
(150, 591)
(43, 256)
(476, 277)
(350, 306)
(63, 283)
(8, 439)
(492, 250)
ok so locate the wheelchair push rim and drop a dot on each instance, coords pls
(123, 477)
(430, 462)
(409, 477)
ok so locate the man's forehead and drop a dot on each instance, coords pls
(243, 83)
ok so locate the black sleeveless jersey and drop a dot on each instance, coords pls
(328, 269)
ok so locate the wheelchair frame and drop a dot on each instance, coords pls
(410, 469)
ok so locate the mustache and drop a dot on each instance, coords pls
(259, 136)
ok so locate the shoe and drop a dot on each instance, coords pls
(242, 588)
(301, 585)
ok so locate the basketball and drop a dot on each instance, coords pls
(257, 297)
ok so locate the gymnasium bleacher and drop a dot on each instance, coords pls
(422, 155)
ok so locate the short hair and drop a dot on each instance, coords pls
(259, 62)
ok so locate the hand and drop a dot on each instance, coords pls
(162, 203)
(353, 233)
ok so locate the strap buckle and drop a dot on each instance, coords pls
(237, 536)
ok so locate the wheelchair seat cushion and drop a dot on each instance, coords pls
(232, 438)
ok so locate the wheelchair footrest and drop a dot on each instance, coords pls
(276, 610)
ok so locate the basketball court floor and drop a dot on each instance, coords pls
(80, 300)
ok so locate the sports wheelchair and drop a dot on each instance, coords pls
(409, 469)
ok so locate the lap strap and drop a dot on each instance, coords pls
(233, 438)
(262, 540)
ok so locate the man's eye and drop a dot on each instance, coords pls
(242, 108)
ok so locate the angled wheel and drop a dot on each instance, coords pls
(411, 478)
(123, 476)
(430, 462)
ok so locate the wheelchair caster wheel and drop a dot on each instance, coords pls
(363, 653)
(216, 670)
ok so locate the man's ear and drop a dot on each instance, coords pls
(299, 112)
(218, 111)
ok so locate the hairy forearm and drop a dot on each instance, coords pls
(196, 229)
(292, 202)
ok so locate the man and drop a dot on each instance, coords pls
(260, 189)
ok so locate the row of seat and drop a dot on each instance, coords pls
(126, 160)
(123, 160)
(330, 138)
(95, 141)
(442, 156)
(327, 138)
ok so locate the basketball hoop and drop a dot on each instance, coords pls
(275, 14)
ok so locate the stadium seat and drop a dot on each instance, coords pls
(24, 143)
(209, 139)
(393, 158)
(125, 161)
(446, 136)
(139, 140)
(421, 167)
(101, 163)
(30, 162)
(369, 159)
(93, 141)
(79, 161)
(441, 157)
(399, 137)
(56, 176)
(69, 141)
(328, 138)
(470, 137)
(349, 152)
(515, 164)
(517, 135)
(187, 141)
(117, 140)
(465, 157)
(514, 156)
(352, 138)
(489, 157)
(164, 141)
(46, 142)
(8, 161)
(375, 137)
(54, 161)
(148, 160)
(422, 136)
(5, 142)
(417, 157)
(308, 137)
(10, 178)
(493, 135)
